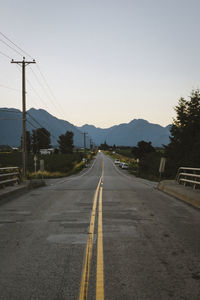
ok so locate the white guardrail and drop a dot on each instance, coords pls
(189, 176)
(9, 176)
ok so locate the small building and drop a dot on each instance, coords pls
(46, 151)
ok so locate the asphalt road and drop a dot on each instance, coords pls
(102, 234)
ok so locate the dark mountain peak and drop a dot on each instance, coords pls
(139, 121)
(126, 134)
(43, 114)
(39, 111)
(9, 108)
(88, 126)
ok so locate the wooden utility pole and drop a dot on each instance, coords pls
(23, 63)
(91, 144)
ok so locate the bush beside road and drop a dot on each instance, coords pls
(55, 165)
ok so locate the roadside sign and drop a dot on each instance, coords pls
(42, 165)
(35, 163)
(162, 164)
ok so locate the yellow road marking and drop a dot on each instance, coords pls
(100, 267)
(86, 269)
(88, 255)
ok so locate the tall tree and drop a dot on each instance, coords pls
(143, 148)
(104, 146)
(184, 146)
(41, 139)
(66, 142)
(34, 142)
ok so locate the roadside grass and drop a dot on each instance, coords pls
(147, 168)
(45, 174)
(56, 165)
(50, 175)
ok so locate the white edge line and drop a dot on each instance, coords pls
(141, 180)
(76, 177)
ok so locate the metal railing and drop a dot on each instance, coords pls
(10, 176)
(189, 176)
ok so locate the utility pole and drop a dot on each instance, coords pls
(91, 144)
(23, 64)
(84, 140)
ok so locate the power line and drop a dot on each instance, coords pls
(48, 87)
(38, 95)
(5, 55)
(34, 90)
(44, 78)
(41, 131)
(11, 47)
(39, 124)
(47, 91)
(8, 87)
(34, 119)
(15, 45)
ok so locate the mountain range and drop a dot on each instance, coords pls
(127, 134)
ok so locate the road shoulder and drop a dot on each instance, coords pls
(181, 192)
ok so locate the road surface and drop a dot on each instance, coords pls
(102, 234)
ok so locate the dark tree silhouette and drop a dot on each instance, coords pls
(65, 142)
(143, 148)
(184, 146)
(40, 139)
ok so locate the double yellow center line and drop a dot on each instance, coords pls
(88, 255)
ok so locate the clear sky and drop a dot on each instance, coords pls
(106, 61)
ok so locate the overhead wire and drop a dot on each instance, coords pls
(16, 45)
(9, 111)
(35, 91)
(28, 121)
(47, 85)
(49, 93)
(46, 89)
(39, 124)
(2, 53)
(39, 69)
(10, 47)
(38, 95)
(8, 87)
(19, 69)
(12, 111)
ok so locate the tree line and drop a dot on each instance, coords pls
(41, 139)
(183, 149)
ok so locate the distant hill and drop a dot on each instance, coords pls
(11, 126)
(130, 134)
(127, 134)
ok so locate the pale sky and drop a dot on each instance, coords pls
(107, 61)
